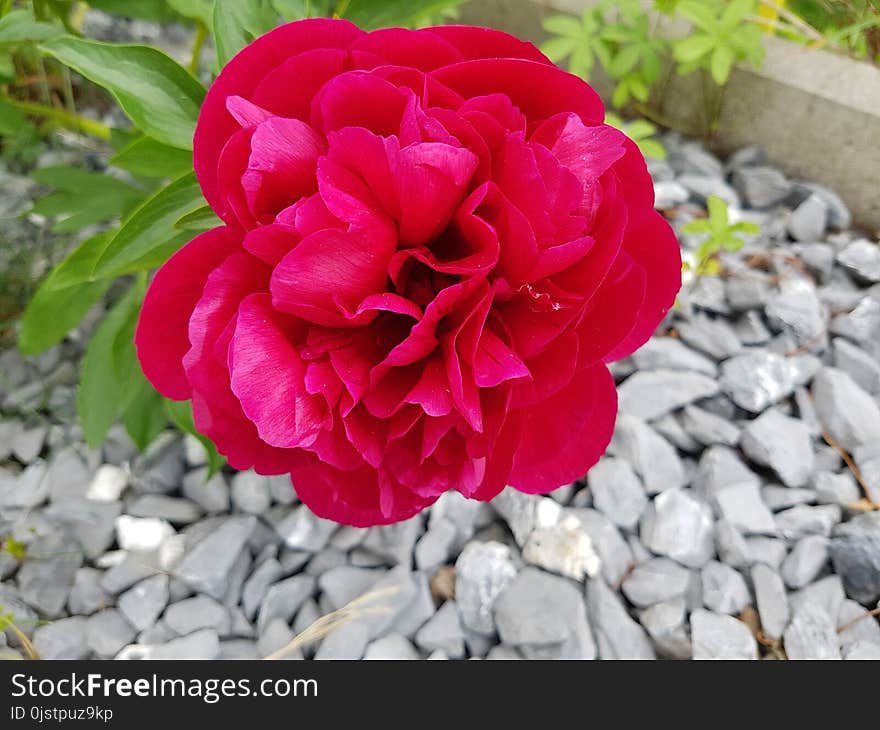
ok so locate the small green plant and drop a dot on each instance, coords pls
(640, 131)
(720, 235)
(721, 35)
(14, 548)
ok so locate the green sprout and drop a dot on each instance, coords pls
(720, 235)
(641, 132)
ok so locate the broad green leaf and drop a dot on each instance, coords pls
(689, 49)
(564, 25)
(98, 395)
(371, 14)
(722, 61)
(149, 158)
(624, 62)
(701, 13)
(148, 237)
(52, 313)
(717, 210)
(159, 95)
(558, 48)
(297, 9)
(156, 11)
(200, 10)
(735, 12)
(11, 119)
(144, 417)
(201, 219)
(19, 26)
(126, 367)
(83, 197)
(180, 413)
(238, 22)
(77, 267)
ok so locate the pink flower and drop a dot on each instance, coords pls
(432, 247)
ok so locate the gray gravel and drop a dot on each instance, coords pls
(719, 503)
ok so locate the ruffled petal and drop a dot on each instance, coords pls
(162, 336)
(565, 435)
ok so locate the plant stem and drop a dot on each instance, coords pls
(63, 118)
(794, 19)
(198, 44)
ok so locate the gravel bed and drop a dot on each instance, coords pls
(722, 523)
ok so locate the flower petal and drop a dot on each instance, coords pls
(565, 435)
(162, 336)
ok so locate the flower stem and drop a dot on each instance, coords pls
(198, 44)
(63, 118)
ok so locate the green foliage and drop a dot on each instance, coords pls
(149, 158)
(180, 413)
(160, 97)
(83, 198)
(642, 133)
(147, 238)
(237, 22)
(16, 549)
(721, 36)
(720, 235)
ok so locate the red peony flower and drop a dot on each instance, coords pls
(432, 247)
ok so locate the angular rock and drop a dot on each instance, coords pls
(771, 600)
(255, 587)
(212, 495)
(664, 622)
(615, 556)
(563, 547)
(742, 506)
(803, 520)
(395, 543)
(206, 566)
(855, 553)
(93, 524)
(250, 492)
(160, 506)
(349, 641)
(854, 627)
(86, 595)
(343, 584)
(761, 186)
(302, 530)
(782, 443)
(862, 258)
(141, 534)
(142, 604)
(63, 639)
(391, 646)
(806, 560)
(654, 393)
(724, 590)
(443, 631)
(204, 644)
(198, 612)
(707, 428)
(656, 580)
(849, 414)
(716, 636)
(671, 353)
(680, 527)
(46, 578)
(617, 491)
(482, 572)
(758, 379)
(107, 632)
(796, 308)
(811, 635)
(861, 367)
(617, 635)
(284, 598)
(809, 220)
(840, 489)
(652, 457)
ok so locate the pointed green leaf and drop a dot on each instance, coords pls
(148, 237)
(722, 61)
(159, 95)
(180, 413)
(692, 48)
(149, 158)
(238, 22)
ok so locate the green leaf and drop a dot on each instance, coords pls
(156, 11)
(160, 96)
(77, 266)
(149, 158)
(722, 61)
(98, 395)
(717, 210)
(688, 50)
(581, 61)
(371, 14)
(148, 237)
(699, 225)
(239, 22)
(700, 13)
(19, 26)
(558, 48)
(564, 25)
(11, 119)
(624, 62)
(653, 149)
(52, 313)
(201, 219)
(201, 10)
(735, 12)
(144, 417)
(180, 413)
(83, 197)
